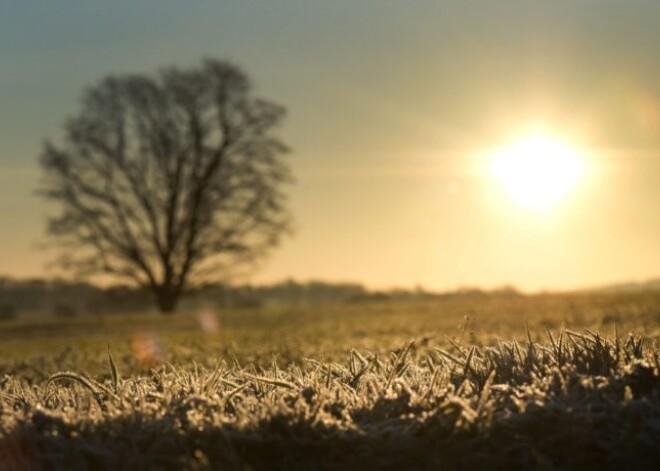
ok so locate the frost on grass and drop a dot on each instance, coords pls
(574, 401)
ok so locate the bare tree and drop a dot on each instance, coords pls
(165, 179)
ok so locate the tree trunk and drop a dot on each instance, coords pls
(167, 298)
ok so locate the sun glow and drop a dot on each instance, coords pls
(537, 172)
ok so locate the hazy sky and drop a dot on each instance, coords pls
(393, 106)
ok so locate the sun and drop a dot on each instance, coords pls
(537, 172)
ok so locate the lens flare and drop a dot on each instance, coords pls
(16, 452)
(208, 321)
(147, 349)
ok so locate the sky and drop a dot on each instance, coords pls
(393, 110)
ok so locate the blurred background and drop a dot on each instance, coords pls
(394, 113)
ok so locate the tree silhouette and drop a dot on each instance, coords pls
(168, 179)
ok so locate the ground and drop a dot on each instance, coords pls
(545, 381)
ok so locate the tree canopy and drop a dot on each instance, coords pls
(168, 179)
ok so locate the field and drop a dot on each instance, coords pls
(497, 381)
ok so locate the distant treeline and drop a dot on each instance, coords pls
(69, 299)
